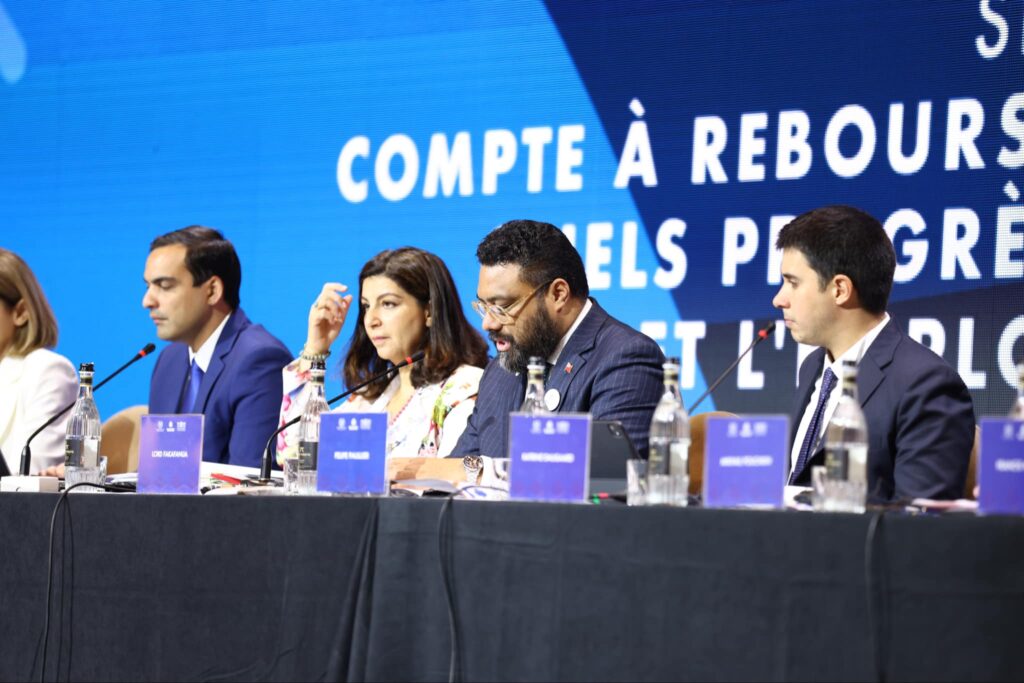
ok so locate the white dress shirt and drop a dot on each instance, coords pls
(854, 353)
(204, 355)
(553, 358)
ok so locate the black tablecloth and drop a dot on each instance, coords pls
(177, 587)
(257, 588)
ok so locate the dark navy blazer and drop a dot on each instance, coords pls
(920, 419)
(606, 368)
(240, 394)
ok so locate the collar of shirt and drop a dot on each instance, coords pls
(854, 353)
(553, 358)
(204, 355)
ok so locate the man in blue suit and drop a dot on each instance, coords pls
(221, 364)
(837, 272)
(534, 300)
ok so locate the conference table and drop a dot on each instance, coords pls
(221, 588)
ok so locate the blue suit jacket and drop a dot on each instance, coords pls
(607, 369)
(240, 394)
(919, 414)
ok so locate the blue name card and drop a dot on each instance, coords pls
(1001, 467)
(549, 457)
(745, 462)
(170, 451)
(352, 456)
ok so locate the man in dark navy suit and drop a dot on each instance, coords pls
(837, 272)
(534, 300)
(220, 363)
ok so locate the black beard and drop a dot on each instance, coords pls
(538, 338)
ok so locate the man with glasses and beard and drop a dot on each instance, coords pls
(534, 300)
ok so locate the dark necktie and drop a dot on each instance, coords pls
(811, 437)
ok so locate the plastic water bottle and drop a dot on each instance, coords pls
(846, 449)
(533, 402)
(309, 430)
(82, 442)
(668, 474)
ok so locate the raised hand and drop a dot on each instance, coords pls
(326, 317)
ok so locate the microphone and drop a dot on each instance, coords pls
(26, 452)
(268, 453)
(762, 334)
(143, 352)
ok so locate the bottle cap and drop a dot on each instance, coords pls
(849, 370)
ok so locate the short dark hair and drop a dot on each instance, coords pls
(845, 240)
(451, 340)
(207, 253)
(541, 250)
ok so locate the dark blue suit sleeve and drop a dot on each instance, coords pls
(935, 434)
(469, 441)
(629, 386)
(257, 405)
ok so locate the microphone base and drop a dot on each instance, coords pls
(16, 483)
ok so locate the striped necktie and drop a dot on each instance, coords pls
(828, 383)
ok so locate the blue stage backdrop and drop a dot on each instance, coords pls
(671, 141)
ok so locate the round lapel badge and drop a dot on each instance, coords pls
(551, 399)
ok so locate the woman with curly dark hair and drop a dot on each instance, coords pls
(407, 303)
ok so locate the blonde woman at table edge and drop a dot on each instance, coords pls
(407, 303)
(35, 382)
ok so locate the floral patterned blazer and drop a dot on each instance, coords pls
(429, 425)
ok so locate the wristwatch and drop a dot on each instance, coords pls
(472, 464)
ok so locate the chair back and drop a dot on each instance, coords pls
(120, 440)
(698, 427)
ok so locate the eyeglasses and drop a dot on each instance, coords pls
(505, 315)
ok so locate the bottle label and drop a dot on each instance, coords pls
(81, 453)
(308, 451)
(661, 451)
(679, 457)
(846, 462)
(837, 463)
(73, 453)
